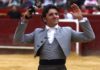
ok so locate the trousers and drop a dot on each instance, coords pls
(52, 67)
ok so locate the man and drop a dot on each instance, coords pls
(14, 2)
(46, 2)
(14, 13)
(80, 2)
(52, 43)
(61, 4)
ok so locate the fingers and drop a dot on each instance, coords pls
(75, 8)
(23, 18)
(26, 13)
(76, 12)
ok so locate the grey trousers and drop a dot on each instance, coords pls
(52, 67)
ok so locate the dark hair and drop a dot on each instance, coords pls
(47, 8)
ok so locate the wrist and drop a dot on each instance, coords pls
(80, 18)
(23, 20)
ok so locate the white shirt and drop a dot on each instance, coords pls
(60, 2)
(46, 2)
(51, 32)
(68, 16)
(90, 2)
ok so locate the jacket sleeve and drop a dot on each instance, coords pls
(86, 35)
(20, 37)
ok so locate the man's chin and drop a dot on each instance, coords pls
(56, 22)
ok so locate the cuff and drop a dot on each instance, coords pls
(83, 20)
(22, 23)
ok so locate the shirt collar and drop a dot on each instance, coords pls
(55, 27)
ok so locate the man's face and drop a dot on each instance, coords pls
(52, 17)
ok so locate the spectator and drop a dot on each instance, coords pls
(61, 4)
(14, 2)
(98, 2)
(68, 15)
(4, 3)
(90, 3)
(1, 4)
(96, 10)
(88, 6)
(85, 10)
(79, 2)
(46, 2)
(14, 12)
(38, 4)
(70, 2)
(27, 3)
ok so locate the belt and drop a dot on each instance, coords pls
(52, 62)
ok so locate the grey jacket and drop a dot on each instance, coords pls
(64, 36)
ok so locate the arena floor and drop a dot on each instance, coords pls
(28, 62)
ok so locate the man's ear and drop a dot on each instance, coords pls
(43, 19)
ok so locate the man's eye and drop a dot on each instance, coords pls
(53, 14)
(56, 14)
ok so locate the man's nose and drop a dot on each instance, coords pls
(55, 15)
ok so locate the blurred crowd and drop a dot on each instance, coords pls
(41, 3)
(87, 6)
(37, 3)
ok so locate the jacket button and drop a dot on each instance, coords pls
(38, 46)
(41, 41)
(45, 37)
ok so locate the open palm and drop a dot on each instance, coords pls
(76, 12)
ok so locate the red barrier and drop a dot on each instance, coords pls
(93, 46)
(8, 26)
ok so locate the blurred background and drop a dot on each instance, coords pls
(12, 10)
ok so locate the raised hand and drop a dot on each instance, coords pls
(28, 14)
(23, 18)
(76, 12)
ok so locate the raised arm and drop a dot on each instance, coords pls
(87, 33)
(19, 35)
